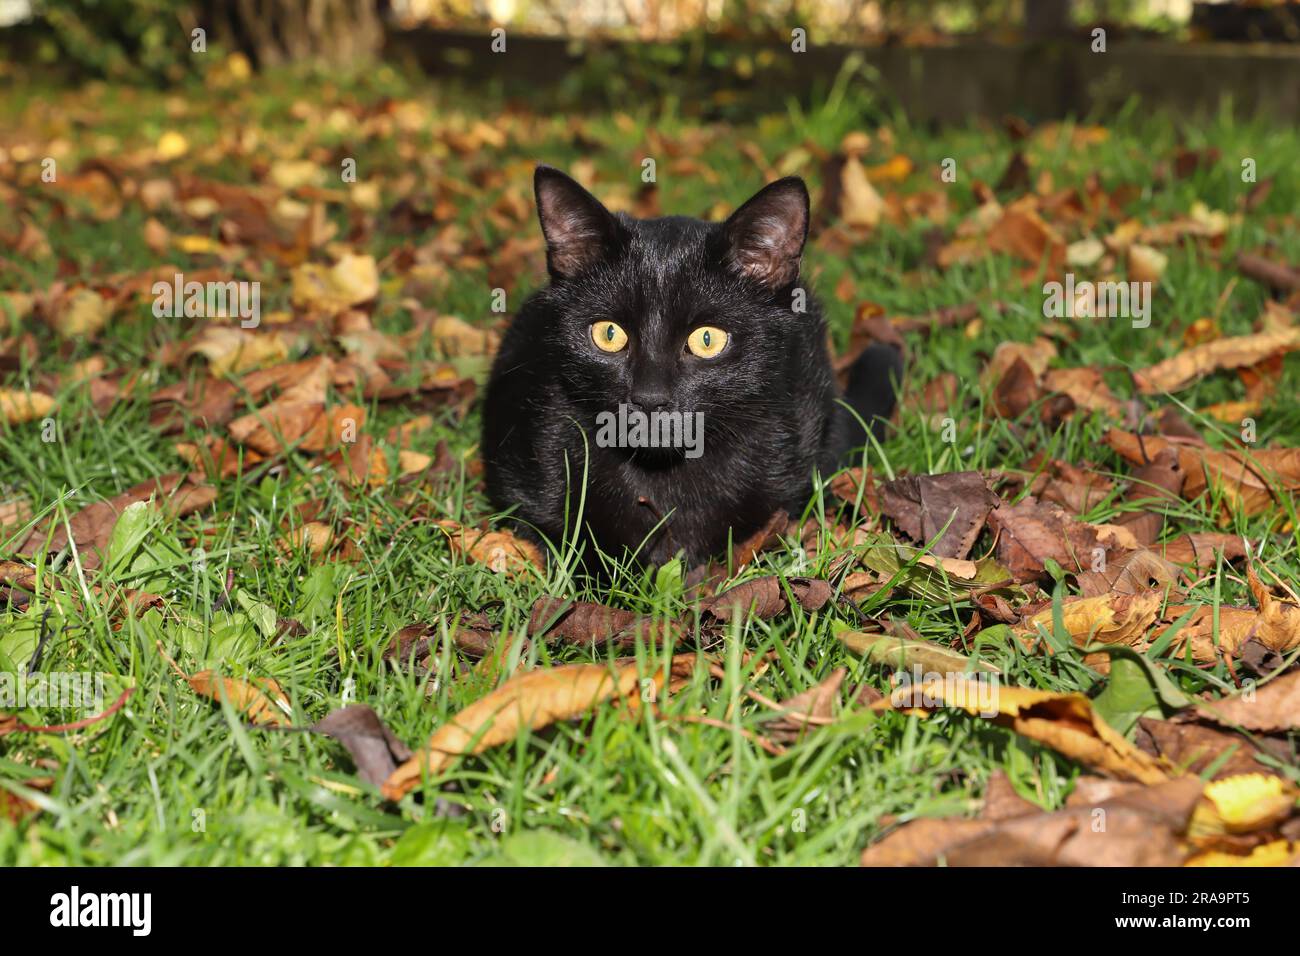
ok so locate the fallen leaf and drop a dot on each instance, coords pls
(533, 700)
(1108, 618)
(1136, 572)
(261, 700)
(1064, 722)
(904, 654)
(765, 598)
(1146, 264)
(1250, 480)
(1240, 351)
(810, 708)
(936, 579)
(1194, 748)
(374, 748)
(19, 407)
(230, 349)
(860, 204)
(1275, 853)
(704, 579)
(1031, 532)
(1142, 829)
(274, 427)
(583, 622)
(313, 536)
(1273, 708)
(472, 634)
(80, 313)
(350, 281)
(1002, 802)
(499, 551)
(1240, 804)
(92, 526)
(1023, 233)
(1086, 388)
(454, 336)
(956, 503)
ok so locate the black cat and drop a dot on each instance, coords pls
(683, 323)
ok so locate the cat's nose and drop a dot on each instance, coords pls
(650, 396)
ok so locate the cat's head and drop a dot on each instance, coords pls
(676, 314)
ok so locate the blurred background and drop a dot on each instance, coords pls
(939, 59)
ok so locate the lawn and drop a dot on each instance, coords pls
(287, 566)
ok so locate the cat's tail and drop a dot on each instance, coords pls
(872, 392)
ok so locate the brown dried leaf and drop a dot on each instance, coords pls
(1002, 802)
(1143, 827)
(922, 505)
(1086, 388)
(92, 526)
(582, 622)
(1194, 747)
(1202, 549)
(1109, 618)
(472, 633)
(1273, 708)
(274, 427)
(1030, 532)
(765, 598)
(812, 707)
(1195, 363)
(1135, 572)
(374, 748)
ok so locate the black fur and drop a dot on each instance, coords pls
(769, 399)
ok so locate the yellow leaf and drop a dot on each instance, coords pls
(1146, 264)
(80, 313)
(230, 349)
(1242, 804)
(197, 245)
(350, 281)
(1113, 618)
(1276, 853)
(290, 174)
(1064, 722)
(171, 145)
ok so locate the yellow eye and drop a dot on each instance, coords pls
(608, 336)
(707, 341)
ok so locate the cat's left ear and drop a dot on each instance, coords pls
(765, 237)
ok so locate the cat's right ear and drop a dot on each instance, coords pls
(764, 238)
(579, 231)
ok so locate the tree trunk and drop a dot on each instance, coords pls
(329, 33)
(1045, 19)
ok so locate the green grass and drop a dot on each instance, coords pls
(623, 789)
